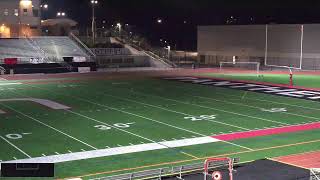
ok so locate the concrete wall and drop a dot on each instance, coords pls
(248, 42)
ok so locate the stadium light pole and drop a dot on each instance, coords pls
(93, 28)
(120, 28)
(61, 14)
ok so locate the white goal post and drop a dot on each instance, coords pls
(241, 64)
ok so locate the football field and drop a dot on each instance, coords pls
(100, 127)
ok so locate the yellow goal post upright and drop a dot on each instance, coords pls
(213, 163)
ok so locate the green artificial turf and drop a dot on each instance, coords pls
(156, 110)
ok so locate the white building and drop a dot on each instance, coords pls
(19, 18)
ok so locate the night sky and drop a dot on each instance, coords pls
(181, 17)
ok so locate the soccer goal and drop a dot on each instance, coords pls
(315, 174)
(252, 66)
(215, 167)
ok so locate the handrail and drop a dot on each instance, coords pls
(2, 69)
(148, 53)
(42, 54)
(86, 48)
(166, 171)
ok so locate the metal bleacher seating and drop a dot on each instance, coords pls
(53, 47)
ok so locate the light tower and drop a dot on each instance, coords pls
(93, 28)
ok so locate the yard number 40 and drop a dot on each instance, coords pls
(201, 118)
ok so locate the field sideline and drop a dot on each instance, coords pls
(115, 112)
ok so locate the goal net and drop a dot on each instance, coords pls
(219, 168)
(315, 174)
(251, 66)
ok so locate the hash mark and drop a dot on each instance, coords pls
(83, 150)
(26, 133)
(43, 154)
(107, 147)
(15, 158)
(69, 151)
(57, 153)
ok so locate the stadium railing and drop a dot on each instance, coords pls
(2, 70)
(75, 39)
(178, 171)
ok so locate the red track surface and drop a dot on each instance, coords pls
(267, 132)
(306, 160)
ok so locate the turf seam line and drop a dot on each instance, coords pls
(15, 147)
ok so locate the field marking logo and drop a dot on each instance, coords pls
(251, 87)
(44, 102)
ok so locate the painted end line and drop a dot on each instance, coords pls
(267, 132)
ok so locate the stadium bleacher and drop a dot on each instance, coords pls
(43, 54)
(57, 47)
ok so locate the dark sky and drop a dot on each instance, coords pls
(144, 13)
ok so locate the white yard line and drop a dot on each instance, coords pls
(92, 119)
(15, 147)
(254, 107)
(118, 150)
(166, 109)
(40, 122)
(8, 84)
(207, 107)
(136, 115)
